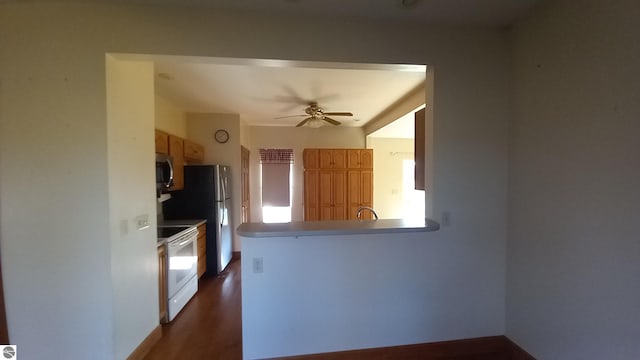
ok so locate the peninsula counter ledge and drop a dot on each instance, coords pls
(325, 286)
(342, 227)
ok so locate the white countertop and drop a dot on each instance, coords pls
(188, 222)
(346, 227)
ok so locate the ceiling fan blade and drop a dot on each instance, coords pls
(301, 123)
(331, 121)
(290, 116)
(339, 113)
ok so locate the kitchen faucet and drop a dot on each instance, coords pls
(359, 213)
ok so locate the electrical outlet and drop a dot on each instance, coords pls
(257, 265)
(142, 221)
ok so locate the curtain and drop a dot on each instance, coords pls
(276, 165)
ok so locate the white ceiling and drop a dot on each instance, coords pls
(261, 91)
(468, 12)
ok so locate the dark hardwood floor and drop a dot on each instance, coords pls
(210, 326)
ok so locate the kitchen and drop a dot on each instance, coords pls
(508, 135)
(203, 128)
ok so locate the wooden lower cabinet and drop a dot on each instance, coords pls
(202, 249)
(163, 297)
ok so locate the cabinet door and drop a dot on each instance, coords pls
(353, 158)
(193, 152)
(176, 150)
(325, 194)
(202, 249)
(325, 157)
(163, 297)
(366, 158)
(162, 142)
(310, 159)
(311, 195)
(366, 188)
(360, 158)
(360, 185)
(339, 188)
(339, 159)
(353, 181)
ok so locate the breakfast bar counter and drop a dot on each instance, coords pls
(345, 227)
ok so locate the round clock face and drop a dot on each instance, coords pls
(221, 136)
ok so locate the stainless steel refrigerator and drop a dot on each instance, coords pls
(206, 195)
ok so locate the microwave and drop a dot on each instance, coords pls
(164, 172)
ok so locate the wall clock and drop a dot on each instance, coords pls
(221, 136)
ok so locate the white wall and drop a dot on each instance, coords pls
(169, 117)
(54, 208)
(573, 250)
(353, 292)
(201, 128)
(130, 152)
(388, 193)
(58, 267)
(264, 137)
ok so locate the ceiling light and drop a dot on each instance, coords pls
(315, 123)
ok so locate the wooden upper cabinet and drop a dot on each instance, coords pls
(162, 142)
(333, 158)
(193, 152)
(310, 159)
(360, 159)
(176, 150)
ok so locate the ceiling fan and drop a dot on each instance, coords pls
(316, 115)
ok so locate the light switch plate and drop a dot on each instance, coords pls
(142, 221)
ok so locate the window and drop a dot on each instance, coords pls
(275, 167)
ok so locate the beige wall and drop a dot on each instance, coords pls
(298, 139)
(388, 193)
(54, 214)
(170, 117)
(134, 265)
(574, 204)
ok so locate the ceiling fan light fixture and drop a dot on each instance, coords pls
(315, 123)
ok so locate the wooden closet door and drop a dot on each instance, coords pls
(339, 187)
(311, 195)
(325, 194)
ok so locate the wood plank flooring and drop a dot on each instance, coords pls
(210, 326)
